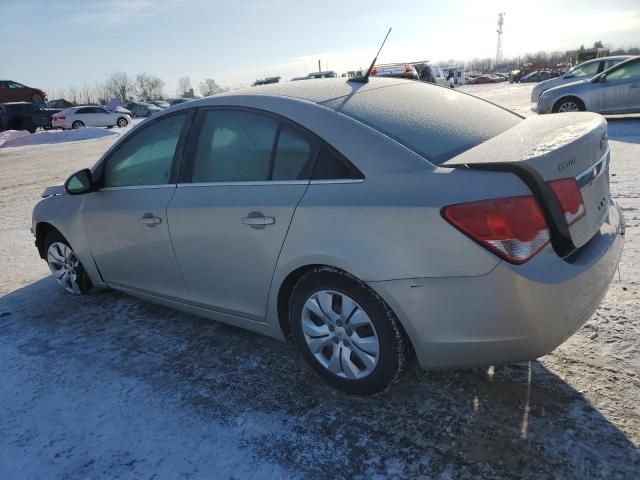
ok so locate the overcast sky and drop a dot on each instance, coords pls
(52, 44)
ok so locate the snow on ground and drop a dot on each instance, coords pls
(109, 386)
(22, 138)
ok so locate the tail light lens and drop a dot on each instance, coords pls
(568, 193)
(407, 68)
(373, 71)
(514, 228)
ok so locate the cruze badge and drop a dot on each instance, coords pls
(566, 164)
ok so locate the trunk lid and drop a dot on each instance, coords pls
(552, 147)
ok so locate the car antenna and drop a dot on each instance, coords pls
(365, 78)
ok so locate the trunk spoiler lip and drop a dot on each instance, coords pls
(546, 199)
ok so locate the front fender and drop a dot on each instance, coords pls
(62, 212)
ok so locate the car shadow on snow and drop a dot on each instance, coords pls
(510, 421)
(624, 129)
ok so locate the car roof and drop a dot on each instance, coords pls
(318, 91)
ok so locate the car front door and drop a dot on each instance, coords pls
(619, 91)
(125, 221)
(101, 118)
(246, 173)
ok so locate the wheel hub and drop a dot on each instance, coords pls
(340, 335)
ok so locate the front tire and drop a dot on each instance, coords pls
(346, 332)
(37, 98)
(65, 266)
(569, 104)
(77, 124)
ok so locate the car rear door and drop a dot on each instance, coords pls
(126, 220)
(247, 171)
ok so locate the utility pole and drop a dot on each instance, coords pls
(499, 47)
(319, 67)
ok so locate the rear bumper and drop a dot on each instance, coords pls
(514, 313)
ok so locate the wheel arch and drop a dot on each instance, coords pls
(41, 231)
(572, 96)
(285, 289)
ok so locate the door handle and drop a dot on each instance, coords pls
(150, 220)
(258, 220)
(635, 85)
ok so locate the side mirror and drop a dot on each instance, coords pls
(603, 78)
(569, 75)
(79, 183)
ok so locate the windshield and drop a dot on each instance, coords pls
(435, 122)
(583, 70)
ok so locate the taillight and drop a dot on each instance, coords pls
(374, 70)
(568, 193)
(514, 228)
(407, 68)
(58, 117)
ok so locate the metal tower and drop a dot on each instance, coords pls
(499, 49)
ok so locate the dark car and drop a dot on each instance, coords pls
(60, 103)
(11, 91)
(538, 76)
(25, 116)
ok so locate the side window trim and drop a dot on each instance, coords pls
(178, 154)
(186, 169)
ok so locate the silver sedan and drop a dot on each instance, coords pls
(583, 71)
(614, 91)
(373, 224)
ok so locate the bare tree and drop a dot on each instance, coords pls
(210, 87)
(119, 85)
(86, 94)
(184, 86)
(103, 94)
(149, 87)
(72, 94)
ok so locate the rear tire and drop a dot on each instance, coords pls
(354, 341)
(568, 104)
(122, 122)
(37, 98)
(77, 124)
(65, 266)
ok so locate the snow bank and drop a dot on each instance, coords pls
(14, 138)
(11, 135)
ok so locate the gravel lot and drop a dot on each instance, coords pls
(108, 386)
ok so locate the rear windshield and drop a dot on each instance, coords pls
(435, 122)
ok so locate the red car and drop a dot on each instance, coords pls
(483, 79)
(11, 91)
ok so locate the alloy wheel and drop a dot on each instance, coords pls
(568, 106)
(64, 266)
(340, 335)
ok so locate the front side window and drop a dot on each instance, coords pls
(146, 157)
(628, 70)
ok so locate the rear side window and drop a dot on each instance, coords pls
(234, 147)
(241, 146)
(331, 165)
(435, 123)
(293, 159)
